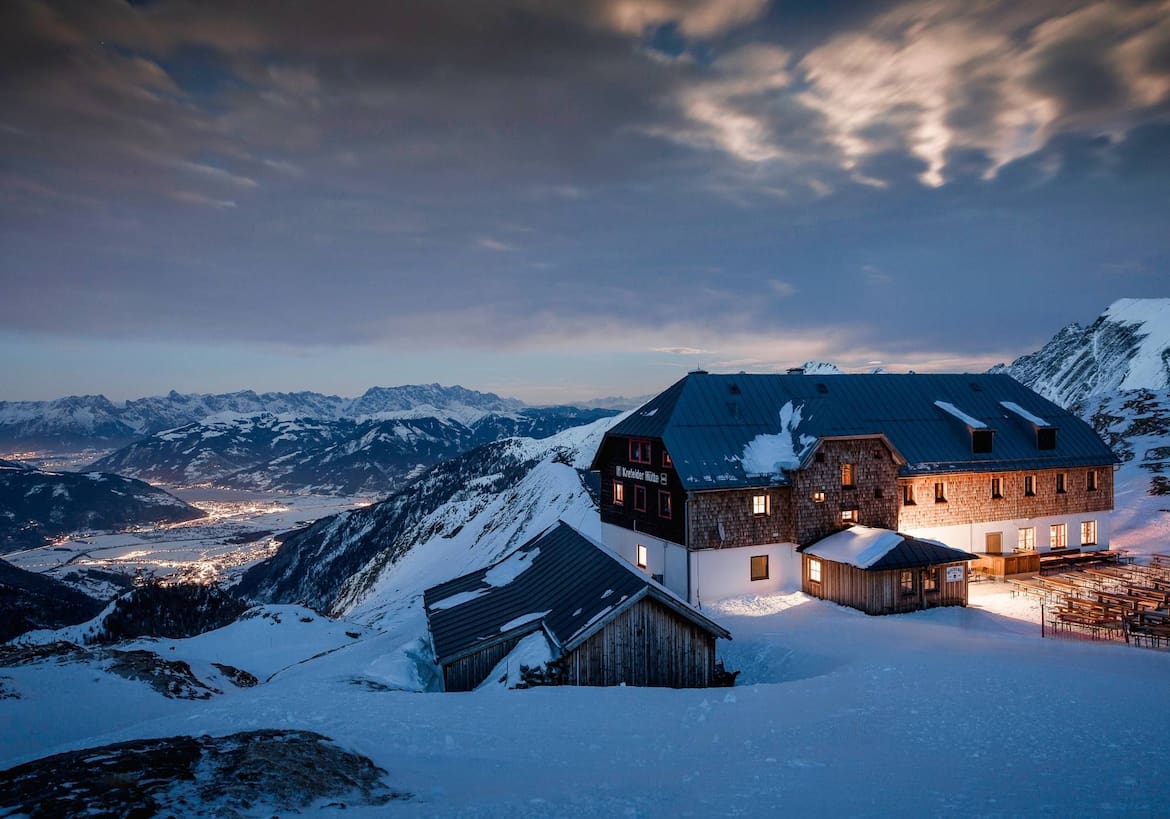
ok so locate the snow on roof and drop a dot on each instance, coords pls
(1012, 406)
(860, 546)
(770, 454)
(951, 409)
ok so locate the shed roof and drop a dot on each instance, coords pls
(879, 550)
(560, 581)
(731, 431)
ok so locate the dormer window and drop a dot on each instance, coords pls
(981, 440)
(1046, 438)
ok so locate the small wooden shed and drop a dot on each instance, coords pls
(606, 622)
(883, 572)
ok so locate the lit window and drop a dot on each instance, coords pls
(667, 463)
(619, 493)
(849, 516)
(997, 487)
(814, 570)
(1060, 483)
(1029, 486)
(761, 505)
(1088, 533)
(1026, 542)
(639, 451)
(940, 492)
(641, 556)
(847, 475)
(818, 497)
(1058, 536)
(930, 580)
(1091, 480)
(906, 581)
(760, 567)
(908, 494)
(663, 503)
(639, 498)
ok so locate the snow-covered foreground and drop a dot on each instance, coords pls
(952, 711)
(237, 532)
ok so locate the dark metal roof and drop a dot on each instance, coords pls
(706, 422)
(560, 580)
(912, 553)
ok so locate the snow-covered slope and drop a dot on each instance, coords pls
(1116, 375)
(1126, 348)
(458, 516)
(36, 505)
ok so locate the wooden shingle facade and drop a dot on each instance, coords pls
(604, 622)
(715, 484)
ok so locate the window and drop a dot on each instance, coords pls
(818, 497)
(940, 491)
(663, 504)
(930, 580)
(1088, 533)
(667, 463)
(639, 498)
(1061, 480)
(1046, 438)
(1029, 486)
(906, 581)
(1091, 480)
(1057, 536)
(908, 494)
(761, 505)
(849, 516)
(642, 555)
(639, 451)
(997, 487)
(760, 567)
(847, 475)
(981, 440)
(619, 493)
(819, 457)
(1027, 540)
(814, 570)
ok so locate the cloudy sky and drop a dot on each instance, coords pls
(561, 200)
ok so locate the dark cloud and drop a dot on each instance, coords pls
(493, 173)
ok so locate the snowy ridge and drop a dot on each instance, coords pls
(456, 517)
(1126, 348)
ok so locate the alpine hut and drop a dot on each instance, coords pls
(883, 572)
(603, 621)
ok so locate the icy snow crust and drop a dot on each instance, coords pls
(771, 454)
(1012, 406)
(859, 546)
(952, 410)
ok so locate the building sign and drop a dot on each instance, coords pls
(641, 475)
(954, 574)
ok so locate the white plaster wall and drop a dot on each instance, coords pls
(720, 573)
(971, 537)
(662, 556)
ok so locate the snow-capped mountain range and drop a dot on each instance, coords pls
(374, 455)
(95, 421)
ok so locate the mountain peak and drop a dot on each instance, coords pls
(1126, 348)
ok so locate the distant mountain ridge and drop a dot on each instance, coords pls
(374, 455)
(95, 421)
(36, 505)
